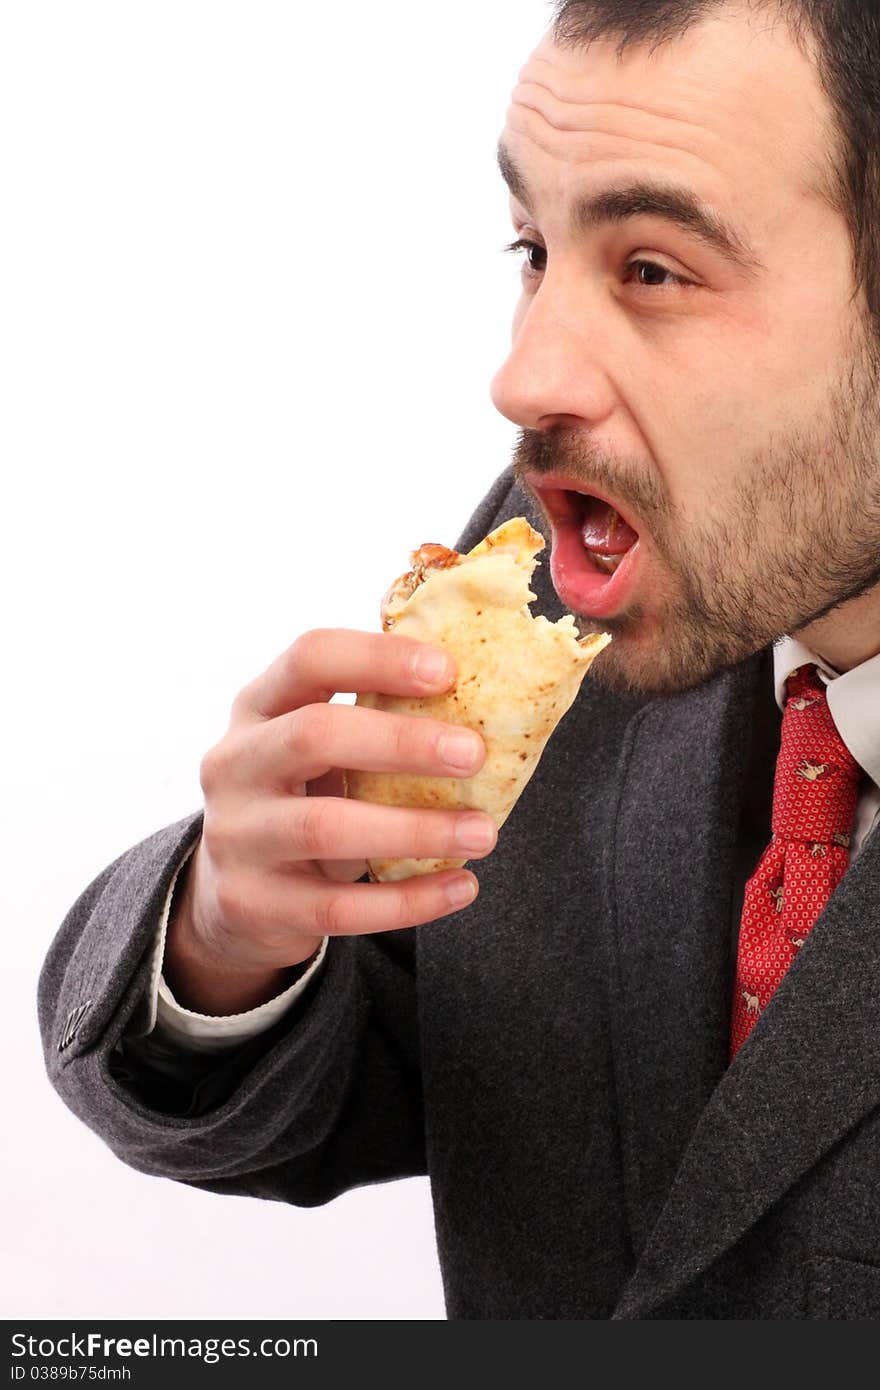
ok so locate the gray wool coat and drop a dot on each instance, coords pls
(555, 1057)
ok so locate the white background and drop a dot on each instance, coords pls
(252, 300)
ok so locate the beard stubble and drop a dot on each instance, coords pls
(796, 535)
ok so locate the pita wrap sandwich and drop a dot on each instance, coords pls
(517, 676)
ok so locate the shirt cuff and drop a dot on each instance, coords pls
(170, 1022)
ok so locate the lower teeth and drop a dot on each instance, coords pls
(608, 563)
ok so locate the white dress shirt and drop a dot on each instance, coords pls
(854, 702)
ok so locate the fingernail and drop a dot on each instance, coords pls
(475, 834)
(459, 751)
(430, 667)
(461, 891)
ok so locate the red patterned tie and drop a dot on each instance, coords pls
(815, 792)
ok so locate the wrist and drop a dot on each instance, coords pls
(205, 981)
(200, 984)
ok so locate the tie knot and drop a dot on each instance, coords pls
(817, 778)
(805, 684)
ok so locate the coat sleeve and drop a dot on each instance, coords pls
(328, 1099)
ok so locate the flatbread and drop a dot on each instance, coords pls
(517, 676)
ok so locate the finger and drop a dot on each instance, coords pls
(319, 908)
(287, 830)
(338, 870)
(305, 744)
(329, 661)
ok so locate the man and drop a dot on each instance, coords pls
(643, 1068)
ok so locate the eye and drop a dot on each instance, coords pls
(651, 275)
(536, 256)
(643, 273)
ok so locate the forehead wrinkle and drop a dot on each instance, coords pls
(521, 127)
(652, 112)
(522, 124)
(665, 112)
(815, 175)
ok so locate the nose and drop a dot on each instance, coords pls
(554, 368)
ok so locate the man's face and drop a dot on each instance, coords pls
(699, 360)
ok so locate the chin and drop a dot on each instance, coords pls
(625, 667)
(640, 667)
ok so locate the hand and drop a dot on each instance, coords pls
(281, 848)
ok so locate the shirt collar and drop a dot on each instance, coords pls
(853, 698)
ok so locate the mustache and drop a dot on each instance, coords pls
(560, 450)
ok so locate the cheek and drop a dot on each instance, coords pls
(698, 433)
(707, 407)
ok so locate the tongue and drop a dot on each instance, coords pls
(604, 530)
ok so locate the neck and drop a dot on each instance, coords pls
(848, 635)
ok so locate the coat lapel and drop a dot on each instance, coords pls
(671, 887)
(811, 1067)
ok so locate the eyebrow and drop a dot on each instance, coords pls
(645, 199)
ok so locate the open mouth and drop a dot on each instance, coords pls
(605, 534)
(606, 537)
(595, 546)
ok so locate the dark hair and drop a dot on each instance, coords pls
(842, 37)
